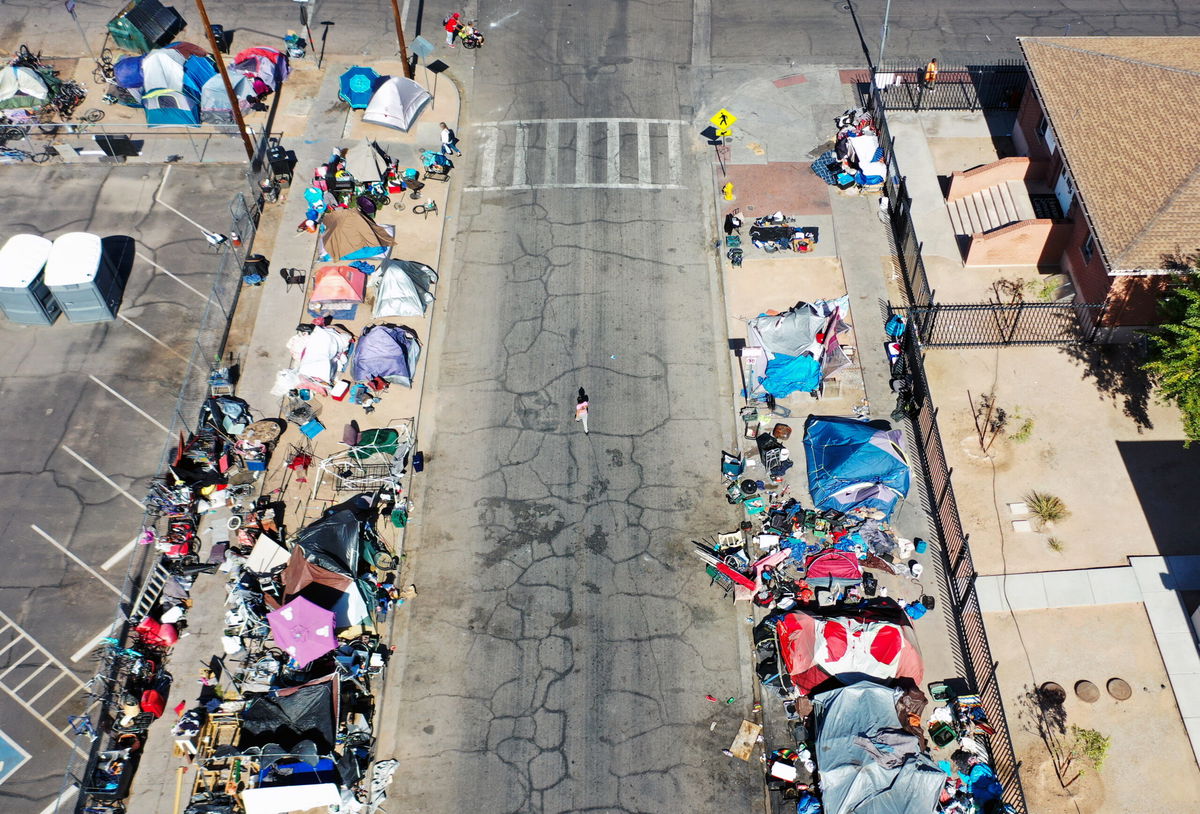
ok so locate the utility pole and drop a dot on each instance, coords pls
(234, 102)
(408, 71)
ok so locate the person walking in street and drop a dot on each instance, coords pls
(581, 409)
(449, 141)
(452, 25)
(931, 70)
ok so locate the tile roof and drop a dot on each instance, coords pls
(1125, 113)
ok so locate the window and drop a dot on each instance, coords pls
(1046, 134)
(1088, 248)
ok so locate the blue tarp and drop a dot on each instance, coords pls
(197, 71)
(787, 374)
(127, 72)
(853, 464)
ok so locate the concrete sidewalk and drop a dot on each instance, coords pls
(268, 316)
(784, 123)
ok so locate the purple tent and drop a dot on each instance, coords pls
(303, 630)
(387, 351)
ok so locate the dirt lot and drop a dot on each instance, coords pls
(1121, 645)
(1113, 458)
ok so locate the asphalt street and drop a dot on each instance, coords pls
(86, 412)
(559, 654)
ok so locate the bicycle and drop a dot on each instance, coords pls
(104, 71)
(11, 155)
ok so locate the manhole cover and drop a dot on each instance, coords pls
(1087, 691)
(1119, 689)
(1052, 693)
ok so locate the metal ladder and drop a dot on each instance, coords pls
(152, 588)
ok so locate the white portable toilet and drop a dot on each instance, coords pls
(82, 279)
(24, 297)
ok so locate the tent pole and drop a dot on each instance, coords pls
(234, 104)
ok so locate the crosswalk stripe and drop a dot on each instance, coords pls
(487, 165)
(674, 160)
(600, 154)
(612, 146)
(643, 141)
(551, 174)
(520, 179)
(581, 140)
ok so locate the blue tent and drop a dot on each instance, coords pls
(165, 107)
(358, 85)
(852, 464)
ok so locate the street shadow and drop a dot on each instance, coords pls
(1116, 370)
(1161, 473)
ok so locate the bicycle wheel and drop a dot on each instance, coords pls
(42, 157)
(11, 134)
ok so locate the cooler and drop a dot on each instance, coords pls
(24, 297)
(83, 280)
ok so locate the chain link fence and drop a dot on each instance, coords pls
(207, 350)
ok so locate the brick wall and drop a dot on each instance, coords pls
(1025, 135)
(1028, 243)
(967, 182)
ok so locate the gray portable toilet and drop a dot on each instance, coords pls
(24, 297)
(83, 279)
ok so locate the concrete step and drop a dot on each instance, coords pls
(1020, 197)
(991, 208)
(955, 217)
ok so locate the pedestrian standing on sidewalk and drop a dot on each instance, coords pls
(452, 26)
(931, 70)
(733, 222)
(449, 140)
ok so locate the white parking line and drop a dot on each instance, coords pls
(172, 276)
(133, 406)
(62, 798)
(92, 644)
(76, 560)
(552, 133)
(157, 199)
(120, 555)
(674, 158)
(102, 476)
(487, 164)
(154, 338)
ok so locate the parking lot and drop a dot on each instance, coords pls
(88, 413)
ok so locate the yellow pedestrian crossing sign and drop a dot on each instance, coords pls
(723, 119)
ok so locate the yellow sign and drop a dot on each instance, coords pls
(723, 119)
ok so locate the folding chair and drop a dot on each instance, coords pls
(293, 277)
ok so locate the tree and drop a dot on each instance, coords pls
(1174, 364)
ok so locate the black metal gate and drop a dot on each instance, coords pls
(996, 86)
(988, 324)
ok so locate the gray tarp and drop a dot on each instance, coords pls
(852, 780)
(404, 289)
(387, 351)
(794, 332)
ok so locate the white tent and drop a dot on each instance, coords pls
(163, 68)
(403, 289)
(396, 103)
(21, 87)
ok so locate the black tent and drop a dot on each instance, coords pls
(307, 712)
